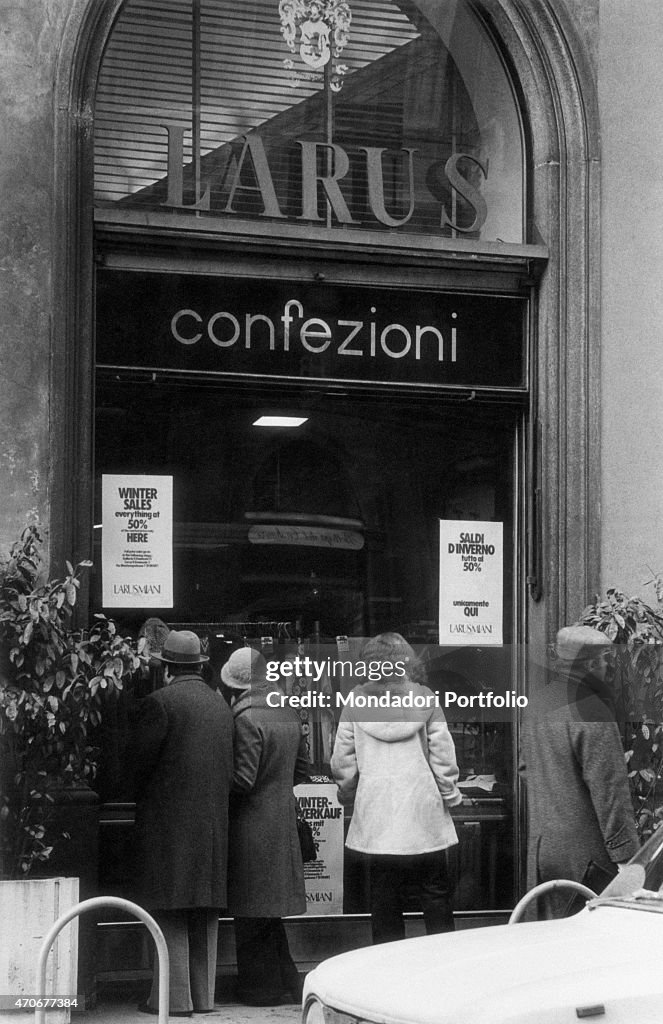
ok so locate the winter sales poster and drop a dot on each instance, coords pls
(137, 541)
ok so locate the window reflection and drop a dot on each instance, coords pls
(419, 134)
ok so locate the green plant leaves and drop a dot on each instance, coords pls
(57, 682)
(637, 630)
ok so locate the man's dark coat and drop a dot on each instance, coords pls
(266, 873)
(182, 763)
(579, 803)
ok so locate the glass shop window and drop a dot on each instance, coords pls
(307, 539)
(324, 531)
(382, 472)
(347, 115)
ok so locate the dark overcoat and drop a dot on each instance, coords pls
(579, 805)
(181, 753)
(265, 869)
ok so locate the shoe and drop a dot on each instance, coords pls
(144, 1008)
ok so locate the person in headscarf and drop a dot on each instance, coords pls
(265, 867)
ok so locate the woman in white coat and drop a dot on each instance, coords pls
(397, 764)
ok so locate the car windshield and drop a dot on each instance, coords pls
(640, 882)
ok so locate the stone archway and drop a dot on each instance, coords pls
(557, 89)
(72, 363)
(553, 68)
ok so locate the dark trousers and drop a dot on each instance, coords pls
(265, 970)
(395, 880)
(191, 937)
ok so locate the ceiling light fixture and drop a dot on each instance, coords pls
(280, 421)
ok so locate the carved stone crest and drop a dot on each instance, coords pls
(319, 30)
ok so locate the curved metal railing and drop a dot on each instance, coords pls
(543, 887)
(119, 904)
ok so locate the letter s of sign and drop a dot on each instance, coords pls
(467, 191)
(376, 185)
(174, 324)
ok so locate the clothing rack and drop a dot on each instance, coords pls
(277, 629)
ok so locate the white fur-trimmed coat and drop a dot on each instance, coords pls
(401, 773)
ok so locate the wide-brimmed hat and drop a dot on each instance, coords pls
(244, 668)
(181, 647)
(584, 642)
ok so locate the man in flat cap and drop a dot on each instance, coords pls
(181, 758)
(581, 819)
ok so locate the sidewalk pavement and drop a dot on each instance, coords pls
(116, 1006)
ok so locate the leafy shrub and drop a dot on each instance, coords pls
(637, 631)
(53, 682)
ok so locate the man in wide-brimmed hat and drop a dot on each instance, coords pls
(181, 756)
(581, 820)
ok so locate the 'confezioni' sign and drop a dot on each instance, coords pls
(303, 329)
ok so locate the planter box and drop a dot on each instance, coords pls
(28, 909)
(77, 813)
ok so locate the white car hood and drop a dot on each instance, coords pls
(540, 973)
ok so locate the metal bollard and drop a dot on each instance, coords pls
(543, 887)
(120, 904)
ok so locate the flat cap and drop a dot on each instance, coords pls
(580, 641)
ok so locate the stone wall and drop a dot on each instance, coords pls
(631, 104)
(29, 42)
